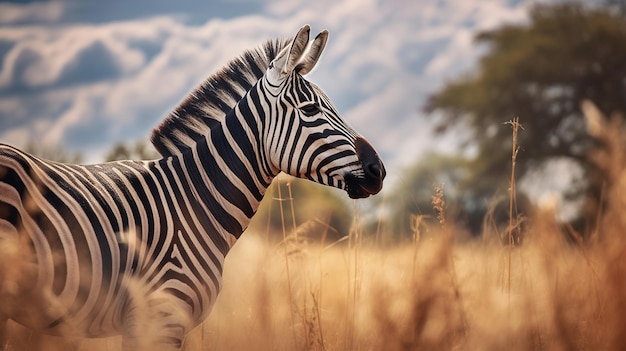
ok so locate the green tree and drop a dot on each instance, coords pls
(52, 153)
(141, 150)
(540, 72)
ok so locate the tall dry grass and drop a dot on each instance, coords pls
(561, 297)
(551, 291)
(432, 295)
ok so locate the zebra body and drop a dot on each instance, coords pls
(119, 247)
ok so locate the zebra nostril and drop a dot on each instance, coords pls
(372, 170)
(375, 170)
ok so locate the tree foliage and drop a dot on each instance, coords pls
(52, 153)
(540, 72)
(141, 150)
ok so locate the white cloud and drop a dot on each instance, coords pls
(80, 112)
(17, 136)
(47, 57)
(448, 59)
(50, 11)
(381, 60)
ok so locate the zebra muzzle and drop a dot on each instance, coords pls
(370, 182)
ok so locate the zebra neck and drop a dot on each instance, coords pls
(227, 175)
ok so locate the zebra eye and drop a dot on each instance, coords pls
(311, 109)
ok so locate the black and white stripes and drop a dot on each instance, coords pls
(109, 246)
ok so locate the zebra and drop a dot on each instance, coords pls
(120, 247)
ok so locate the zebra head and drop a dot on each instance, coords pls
(313, 141)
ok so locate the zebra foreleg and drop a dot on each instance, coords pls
(155, 324)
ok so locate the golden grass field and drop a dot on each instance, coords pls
(439, 291)
(429, 294)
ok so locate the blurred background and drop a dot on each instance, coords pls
(432, 84)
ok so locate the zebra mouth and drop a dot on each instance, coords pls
(360, 188)
(357, 192)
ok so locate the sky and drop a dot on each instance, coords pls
(83, 74)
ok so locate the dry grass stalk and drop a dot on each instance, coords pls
(439, 204)
(609, 159)
(512, 228)
(288, 271)
(417, 221)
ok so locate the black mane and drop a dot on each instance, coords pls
(212, 100)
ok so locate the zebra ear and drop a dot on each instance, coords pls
(288, 57)
(297, 48)
(309, 59)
